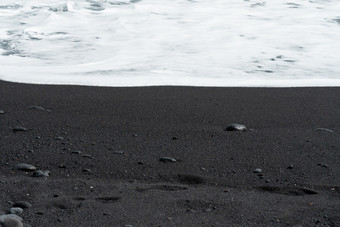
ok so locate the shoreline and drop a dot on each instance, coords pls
(102, 146)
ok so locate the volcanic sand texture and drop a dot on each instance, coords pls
(117, 179)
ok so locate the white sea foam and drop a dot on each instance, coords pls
(171, 42)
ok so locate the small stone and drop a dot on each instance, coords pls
(2, 112)
(323, 129)
(175, 138)
(290, 167)
(167, 159)
(19, 129)
(59, 138)
(86, 170)
(38, 108)
(119, 152)
(16, 210)
(76, 152)
(236, 127)
(22, 204)
(257, 170)
(88, 156)
(25, 167)
(5, 216)
(11, 220)
(40, 173)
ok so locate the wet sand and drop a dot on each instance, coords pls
(102, 148)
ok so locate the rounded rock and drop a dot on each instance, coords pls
(16, 210)
(2, 112)
(10, 220)
(40, 173)
(323, 129)
(25, 167)
(19, 129)
(236, 127)
(167, 159)
(257, 170)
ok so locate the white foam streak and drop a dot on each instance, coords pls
(171, 42)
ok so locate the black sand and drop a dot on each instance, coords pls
(118, 179)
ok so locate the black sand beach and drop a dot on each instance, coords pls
(103, 146)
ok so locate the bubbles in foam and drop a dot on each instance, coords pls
(177, 42)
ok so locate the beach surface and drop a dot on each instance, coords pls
(161, 156)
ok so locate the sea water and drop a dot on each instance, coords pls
(171, 42)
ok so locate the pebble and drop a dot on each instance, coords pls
(11, 220)
(88, 156)
(290, 167)
(25, 167)
(2, 112)
(40, 173)
(19, 129)
(257, 170)
(323, 129)
(38, 108)
(76, 152)
(16, 210)
(119, 152)
(22, 204)
(236, 127)
(167, 159)
(59, 138)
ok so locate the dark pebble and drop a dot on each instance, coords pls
(11, 220)
(76, 152)
(38, 108)
(86, 170)
(323, 165)
(16, 210)
(257, 170)
(22, 204)
(24, 167)
(290, 167)
(175, 138)
(19, 129)
(323, 129)
(88, 156)
(167, 159)
(40, 173)
(236, 127)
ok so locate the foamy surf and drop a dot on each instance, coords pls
(178, 42)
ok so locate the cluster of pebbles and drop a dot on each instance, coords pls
(12, 218)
